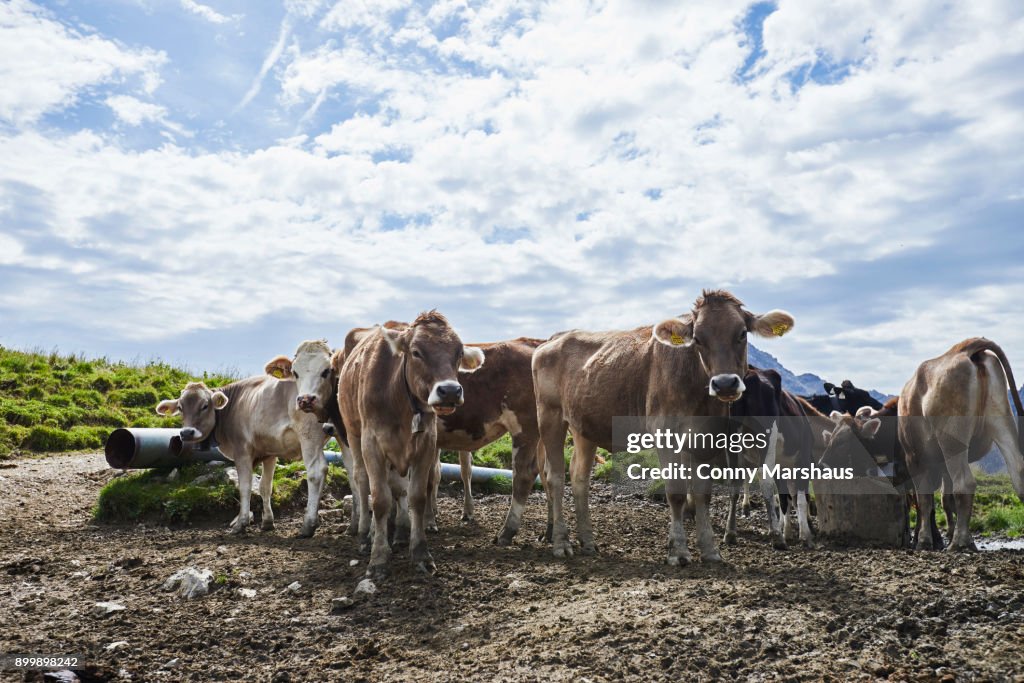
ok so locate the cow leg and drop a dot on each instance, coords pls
(581, 467)
(418, 494)
(348, 460)
(675, 492)
(746, 498)
(925, 485)
(400, 513)
(552, 430)
(730, 524)
(948, 507)
(430, 515)
(361, 496)
(243, 466)
(380, 490)
(316, 475)
(267, 492)
(768, 493)
(466, 472)
(802, 516)
(705, 534)
(524, 473)
(963, 493)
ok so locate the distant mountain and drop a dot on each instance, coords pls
(806, 384)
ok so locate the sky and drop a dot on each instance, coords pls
(210, 183)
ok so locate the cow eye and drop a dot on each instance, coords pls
(295, 374)
(417, 355)
(205, 406)
(325, 373)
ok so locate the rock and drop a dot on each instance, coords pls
(63, 676)
(341, 604)
(365, 587)
(103, 609)
(116, 645)
(190, 582)
(293, 587)
(222, 550)
(173, 476)
(171, 663)
(353, 563)
(247, 592)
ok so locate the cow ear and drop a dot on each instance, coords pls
(771, 324)
(396, 339)
(864, 412)
(829, 387)
(219, 400)
(836, 416)
(674, 331)
(337, 360)
(870, 428)
(168, 408)
(279, 367)
(472, 359)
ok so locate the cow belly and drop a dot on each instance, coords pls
(461, 440)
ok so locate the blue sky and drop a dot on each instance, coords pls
(213, 182)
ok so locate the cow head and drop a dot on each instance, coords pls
(311, 370)
(434, 355)
(850, 439)
(717, 329)
(197, 405)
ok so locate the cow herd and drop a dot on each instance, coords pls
(399, 392)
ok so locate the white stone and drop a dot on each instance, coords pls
(190, 582)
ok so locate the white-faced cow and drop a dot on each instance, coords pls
(951, 411)
(264, 418)
(392, 387)
(692, 365)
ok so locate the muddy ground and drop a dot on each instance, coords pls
(489, 613)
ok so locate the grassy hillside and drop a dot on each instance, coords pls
(54, 403)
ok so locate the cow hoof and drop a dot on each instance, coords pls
(730, 538)
(809, 543)
(504, 538)
(713, 557)
(546, 536)
(562, 549)
(236, 530)
(745, 511)
(376, 572)
(267, 525)
(431, 528)
(678, 560)
(305, 532)
(588, 549)
(779, 542)
(364, 545)
(469, 519)
(353, 530)
(968, 547)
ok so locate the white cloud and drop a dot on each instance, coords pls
(206, 12)
(44, 65)
(560, 165)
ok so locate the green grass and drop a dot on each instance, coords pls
(997, 509)
(50, 402)
(148, 495)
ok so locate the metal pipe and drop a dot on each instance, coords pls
(144, 448)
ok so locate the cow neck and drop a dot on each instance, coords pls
(417, 408)
(210, 442)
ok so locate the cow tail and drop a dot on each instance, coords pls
(975, 347)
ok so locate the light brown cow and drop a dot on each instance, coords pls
(264, 418)
(951, 411)
(392, 387)
(692, 365)
(502, 401)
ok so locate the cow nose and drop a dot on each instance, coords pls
(189, 433)
(306, 402)
(448, 392)
(729, 385)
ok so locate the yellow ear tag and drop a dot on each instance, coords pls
(676, 340)
(780, 329)
(278, 373)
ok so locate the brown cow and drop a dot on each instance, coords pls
(692, 365)
(501, 401)
(262, 419)
(957, 407)
(392, 387)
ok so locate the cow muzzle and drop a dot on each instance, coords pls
(445, 397)
(306, 403)
(190, 435)
(726, 388)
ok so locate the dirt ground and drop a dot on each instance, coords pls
(489, 613)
